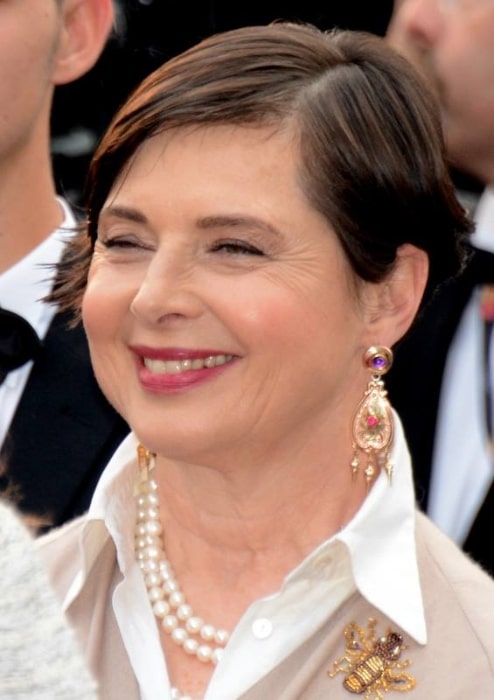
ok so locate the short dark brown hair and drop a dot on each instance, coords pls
(372, 153)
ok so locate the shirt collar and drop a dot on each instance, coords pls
(110, 516)
(385, 572)
(381, 542)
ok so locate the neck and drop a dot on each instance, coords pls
(29, 211)
(254, 520)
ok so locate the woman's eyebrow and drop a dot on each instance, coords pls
(236, 221)
(127, 213)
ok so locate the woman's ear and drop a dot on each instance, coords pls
(395, 301)
(86, 28)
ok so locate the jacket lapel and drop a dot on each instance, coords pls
(64, 430)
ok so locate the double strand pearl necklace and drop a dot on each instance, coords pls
(196, 637)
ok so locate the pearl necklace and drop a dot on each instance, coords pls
(197, 638)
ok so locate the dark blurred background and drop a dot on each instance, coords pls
(147, 32)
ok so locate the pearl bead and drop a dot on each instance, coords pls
(147, 500)
(204, 653)
(179, 635)
(193, 625)
(184, 611)
(153, 579)
(145, 541)
(161, 608)
(166, 571)
(169, 623)
(216, 655)
(152, 513)
(155, 594)
(153, 527)
(149, 565)
(176, 598)
(152, 552)
(221, 637)
(170, 586)
(207, 632)
(190, 646)
(140, 530)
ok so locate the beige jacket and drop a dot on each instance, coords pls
(457, 663)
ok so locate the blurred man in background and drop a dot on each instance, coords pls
(56, 429)
(443, 377)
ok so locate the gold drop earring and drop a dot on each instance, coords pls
(372, 428)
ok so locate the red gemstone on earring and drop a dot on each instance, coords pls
(372, 421)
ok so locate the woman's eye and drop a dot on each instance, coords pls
(122, 243)
(236, 248)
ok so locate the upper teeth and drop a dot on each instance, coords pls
(177, 366)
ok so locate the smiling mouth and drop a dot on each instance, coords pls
(188, 365)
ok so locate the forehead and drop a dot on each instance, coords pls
(215, 155)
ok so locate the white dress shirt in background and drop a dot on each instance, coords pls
(462, 463)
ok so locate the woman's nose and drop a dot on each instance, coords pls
(167, 292)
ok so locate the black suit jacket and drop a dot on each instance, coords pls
(414, 385)
(63, 432)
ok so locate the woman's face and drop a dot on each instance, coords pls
(220, 309)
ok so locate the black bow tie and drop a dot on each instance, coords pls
(19, 342)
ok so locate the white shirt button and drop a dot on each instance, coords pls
(262, 628)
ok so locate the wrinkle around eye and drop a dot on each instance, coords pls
(123, 242)
(113, 252)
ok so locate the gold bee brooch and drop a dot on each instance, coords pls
(372, 665)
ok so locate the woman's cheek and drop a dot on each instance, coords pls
(95, 308)
(109, 293)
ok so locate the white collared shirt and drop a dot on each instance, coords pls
(21, 289)
(374, 554)
(462, 467)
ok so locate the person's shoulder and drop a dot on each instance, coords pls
(458, 593)
(60, 550)
(39, 656)
(456, 566)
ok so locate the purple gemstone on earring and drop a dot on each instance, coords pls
(378, 362)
